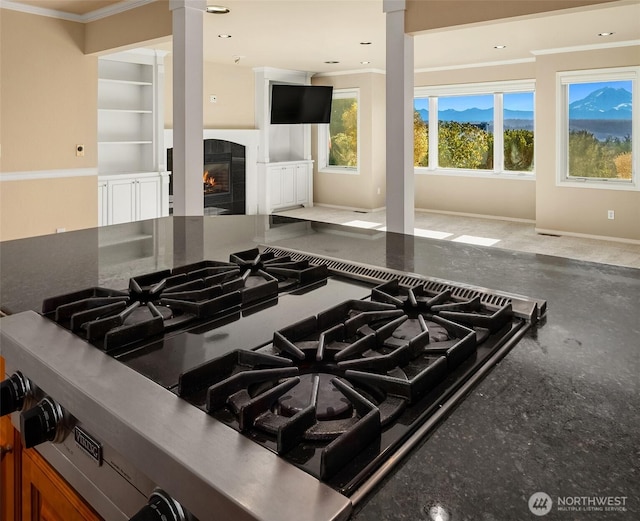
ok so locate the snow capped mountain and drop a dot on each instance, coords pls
(605, 103)
(475, 115)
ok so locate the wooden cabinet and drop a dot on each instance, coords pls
(132, 197)
(30, 489)
(10, 463)
(288, 184)
(46, 496)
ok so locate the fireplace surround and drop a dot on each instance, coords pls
(223, 177)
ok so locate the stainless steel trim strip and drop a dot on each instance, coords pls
(528, 308)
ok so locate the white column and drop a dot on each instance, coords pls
(399, 84)
(188, 153)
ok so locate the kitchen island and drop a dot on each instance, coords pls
(557, 415)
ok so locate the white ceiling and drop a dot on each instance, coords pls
(303, 34)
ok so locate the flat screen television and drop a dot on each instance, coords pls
(292, 104)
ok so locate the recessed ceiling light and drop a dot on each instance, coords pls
(365, 43)
(499, 46)
(224, 36)
(605, 34)
(365, 63)
(331, 62)
(217, 9)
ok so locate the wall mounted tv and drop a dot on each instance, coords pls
(292, 104)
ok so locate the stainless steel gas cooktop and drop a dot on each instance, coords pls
(333, 368)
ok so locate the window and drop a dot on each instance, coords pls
(482, 128)
(338, 142)
(465, 132)
(517, 118)
(597, 144)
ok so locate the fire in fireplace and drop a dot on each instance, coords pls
(216, 178)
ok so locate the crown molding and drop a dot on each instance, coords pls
(98, 14)
(476, 65)
(344, 73)
(591, 47)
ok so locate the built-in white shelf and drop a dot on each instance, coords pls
(132, 184)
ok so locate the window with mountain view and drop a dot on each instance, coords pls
(600, 129)
(597, 126)
(485, 127)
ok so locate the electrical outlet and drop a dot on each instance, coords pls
(378, 190)
(213, 98)
(79, 150)
(611, 214)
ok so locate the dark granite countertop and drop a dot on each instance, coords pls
(558, 415)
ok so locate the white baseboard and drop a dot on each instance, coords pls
(478, 216)
(349, 208)
(587, 236)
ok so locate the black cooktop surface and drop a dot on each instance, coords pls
(332, 370)
(165, 359)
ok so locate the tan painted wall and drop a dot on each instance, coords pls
(142, 24)
(423, 15)
(233, 86)
(49, 90)
(39, 207)
(578, 210)
(502, 198)
(357, 191)
(508, 198)
(48, 106)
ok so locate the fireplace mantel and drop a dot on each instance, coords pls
(249, 138)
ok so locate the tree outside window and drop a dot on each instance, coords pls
(421, 132)
(517, 120)
(343, 131)
(465, 132)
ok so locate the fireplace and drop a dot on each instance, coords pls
(223, 177)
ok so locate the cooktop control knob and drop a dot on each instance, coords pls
(41, 423)
(162, 507)
(13, 392)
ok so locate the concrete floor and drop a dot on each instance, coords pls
(508, 235)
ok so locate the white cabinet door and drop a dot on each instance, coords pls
(148, 198)
(274, 180)
(103, 201)
(122, 201)
(288, 185)
(302, 184)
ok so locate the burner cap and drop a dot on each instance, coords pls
(331, 404)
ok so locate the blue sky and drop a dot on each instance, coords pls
(580, 91)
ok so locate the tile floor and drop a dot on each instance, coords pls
(493, 233)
